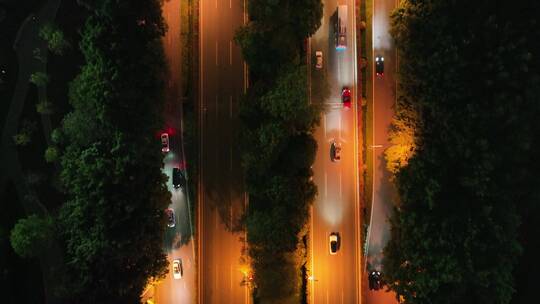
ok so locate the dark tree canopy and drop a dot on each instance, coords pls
(470, 70)
(112, 224)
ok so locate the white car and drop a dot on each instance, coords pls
(177, 269)
(164, 142)
(319, 63)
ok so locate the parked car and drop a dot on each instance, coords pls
(379, 65)
(346, 97)
(165, 142)
(171, 219)
(335, 151)
(333, 242)
(319, 57)
(375, 282)
(177, 178)
(177, 269)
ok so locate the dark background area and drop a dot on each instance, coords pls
(21, 279)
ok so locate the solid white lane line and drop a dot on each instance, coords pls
(200, 197)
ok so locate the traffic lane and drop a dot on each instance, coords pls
(217, 68)
(384, 100)
(335, 201)
(384, 88)
(171, 290)
(216, 199)
(382, 9)
(381, 296)
(333, 273)
(221, 255)
(223, 207)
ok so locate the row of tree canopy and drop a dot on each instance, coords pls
(111, 226)
(277, 145)
(466, 137)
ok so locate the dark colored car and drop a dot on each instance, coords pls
(375, 281)
(333, 243)
(178, 179)
(346, 97)
(335, 151)
(171, 219)
(379, 65)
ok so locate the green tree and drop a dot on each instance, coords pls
(112, 224)
(31, 235)
(40, 79)
(44, 107)
(24, 136)
(54, 37)
(462, 193)
(51, 154)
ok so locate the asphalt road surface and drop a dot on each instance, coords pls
(335, 278)
(177, 243)
(221, 194)
(384, 97)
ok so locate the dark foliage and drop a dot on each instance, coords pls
(112, 224)
(471, 71)
(278, 148)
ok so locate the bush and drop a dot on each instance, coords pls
(51, 154)
(31, 235)
(54, 37)
(44, 107)
(40, 79)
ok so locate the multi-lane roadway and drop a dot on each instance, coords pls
(221, 195)
(222, 198)
(335, 278)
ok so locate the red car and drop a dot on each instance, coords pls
(346, 97)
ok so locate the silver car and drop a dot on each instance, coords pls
(319, 57)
